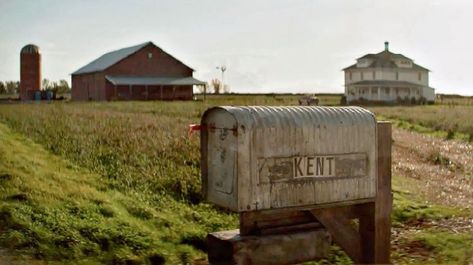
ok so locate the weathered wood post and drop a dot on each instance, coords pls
(298, 176)
(384, 198)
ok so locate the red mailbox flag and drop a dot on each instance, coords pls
(193, 128)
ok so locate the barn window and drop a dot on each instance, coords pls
(150, 55)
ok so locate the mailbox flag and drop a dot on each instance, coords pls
(192, 129)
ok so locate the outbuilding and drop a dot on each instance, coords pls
(141, 72)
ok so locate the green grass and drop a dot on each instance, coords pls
(120, 182)
(444, 121)
(433, 246)
(53, 210)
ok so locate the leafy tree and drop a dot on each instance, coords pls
(46, 84)
(60, 87)
(3, 89)
(63, 87)
(12, 87)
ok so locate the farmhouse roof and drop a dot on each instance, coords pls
(153, 80)
(111, 58)
(385, 59)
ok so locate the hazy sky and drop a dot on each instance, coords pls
(267, 46)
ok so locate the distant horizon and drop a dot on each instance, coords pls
(268, 46)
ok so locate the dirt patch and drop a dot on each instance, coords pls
(445, 167)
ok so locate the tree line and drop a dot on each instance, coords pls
(13, 87)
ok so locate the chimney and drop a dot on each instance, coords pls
(386, 46)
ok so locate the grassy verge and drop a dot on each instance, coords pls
(53, 210)
(426, 233)
(448, 122)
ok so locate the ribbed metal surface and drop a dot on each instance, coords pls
(267, 142)
(30, 48)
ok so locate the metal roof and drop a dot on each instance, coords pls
(297, 116)
(111, 58)
(153, 80)
(30, 48)
(383, 83)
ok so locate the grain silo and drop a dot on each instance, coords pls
(30, 71)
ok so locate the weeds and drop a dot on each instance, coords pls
(452, 121)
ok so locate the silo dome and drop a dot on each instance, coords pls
(30, 48)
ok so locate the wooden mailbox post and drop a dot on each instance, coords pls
(300, 178)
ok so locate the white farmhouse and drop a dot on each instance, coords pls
(387, 77)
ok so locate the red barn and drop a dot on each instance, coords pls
(140, 72)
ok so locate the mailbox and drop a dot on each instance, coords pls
(258, 158)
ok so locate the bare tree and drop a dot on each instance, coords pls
(203, 88)
(217, 85)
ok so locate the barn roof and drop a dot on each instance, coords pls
(153, 80)
(111, 58)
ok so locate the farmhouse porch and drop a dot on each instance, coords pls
(388, 91)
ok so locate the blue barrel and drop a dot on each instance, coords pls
(37, 95)
(49, 95)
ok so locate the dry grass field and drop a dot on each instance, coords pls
(119, 183)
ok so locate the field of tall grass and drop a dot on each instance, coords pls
(118, 182)
(452, 120)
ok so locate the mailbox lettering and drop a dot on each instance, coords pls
(277, 169)
(314, 166)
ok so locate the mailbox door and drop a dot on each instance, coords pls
(221, 158)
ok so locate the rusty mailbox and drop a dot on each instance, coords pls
(258, 158)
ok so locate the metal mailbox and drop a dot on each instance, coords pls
(257, 158)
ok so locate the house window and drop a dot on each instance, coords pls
(150, 55)
(419, 76)
(361, 75)
(350, 74)
(374, 75)
(397, 75)
(374, 91)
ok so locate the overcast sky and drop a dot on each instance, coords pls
(267, 46)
